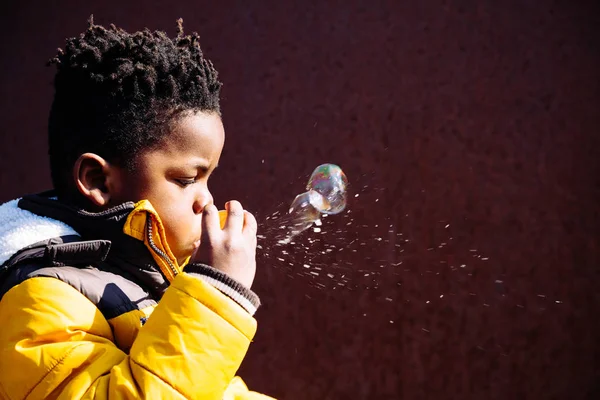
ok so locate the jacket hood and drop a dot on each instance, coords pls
(20, 228)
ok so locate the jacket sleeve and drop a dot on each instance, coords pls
(54, 343)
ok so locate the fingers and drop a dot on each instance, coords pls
(231, 250)
(210, 222)
(235, 216)
(250, 225)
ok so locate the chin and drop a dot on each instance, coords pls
(182, 254)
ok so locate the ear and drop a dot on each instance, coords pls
(93, 178)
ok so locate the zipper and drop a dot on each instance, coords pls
(156, 249)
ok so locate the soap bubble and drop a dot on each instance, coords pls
(303, 212)
(330, 181)
(325, 194)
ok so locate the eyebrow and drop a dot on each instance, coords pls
(202, 166)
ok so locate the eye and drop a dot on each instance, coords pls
(186, 182)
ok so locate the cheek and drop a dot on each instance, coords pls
(175, 208)
(177, 218)
(181, 224)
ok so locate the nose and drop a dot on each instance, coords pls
(202, 199)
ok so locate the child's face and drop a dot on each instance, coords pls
(174, 178)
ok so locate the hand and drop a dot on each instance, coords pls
(231, 250)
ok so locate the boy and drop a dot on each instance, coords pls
(95, 301)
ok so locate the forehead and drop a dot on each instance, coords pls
(196, 134)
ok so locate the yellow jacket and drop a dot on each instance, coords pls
(57, 340)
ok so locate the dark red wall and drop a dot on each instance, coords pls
(468, 129)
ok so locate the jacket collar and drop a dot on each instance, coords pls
(107, 225)
(136, 235)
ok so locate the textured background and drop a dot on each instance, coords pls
(467, 267)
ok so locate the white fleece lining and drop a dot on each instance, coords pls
(229, 291)
(21, 228)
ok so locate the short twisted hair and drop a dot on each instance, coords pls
(117, 93)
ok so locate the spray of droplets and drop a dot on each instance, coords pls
(323, 251)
